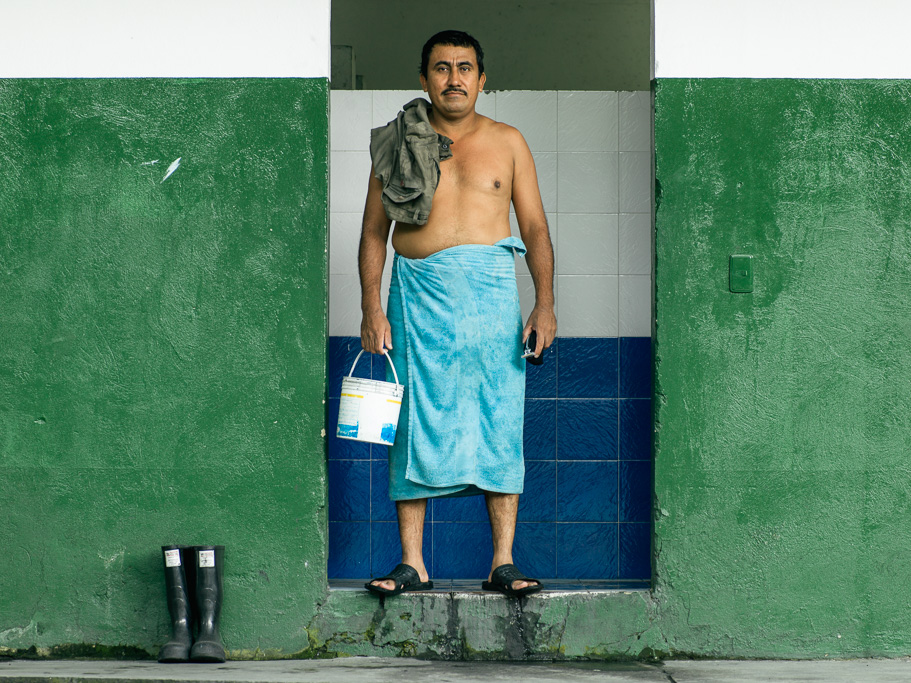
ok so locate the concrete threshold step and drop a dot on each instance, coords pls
(474, 585)
(458, 621)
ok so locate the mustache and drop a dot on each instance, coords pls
(458, 90)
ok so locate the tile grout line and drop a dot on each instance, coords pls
(557, 361)
(619, 454)
(556, 489)
(619, 207)
(556, 459)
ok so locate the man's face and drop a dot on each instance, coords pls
(453, 82)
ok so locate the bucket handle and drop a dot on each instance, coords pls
(394, 373)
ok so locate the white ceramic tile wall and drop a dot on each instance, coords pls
(593, 156)
(587, 183)
(635, 241)
(348, 176)
(589, 305)
(534, 114)
(344, 305)
(352, 119)
(344, 234)
(635, 174)
(588, 122)
(635, 306)
(635, 121)
(587, 244)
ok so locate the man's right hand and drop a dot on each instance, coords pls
(376, 334)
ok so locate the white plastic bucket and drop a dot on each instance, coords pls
(369, 409)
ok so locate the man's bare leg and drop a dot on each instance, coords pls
(502, 509)
(411, 531)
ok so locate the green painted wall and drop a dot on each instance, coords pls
(162, 373)
(162, 353)
(782, 417)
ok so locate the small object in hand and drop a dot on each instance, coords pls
(529, 352)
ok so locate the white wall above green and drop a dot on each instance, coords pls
(166, 38)
(782, 39)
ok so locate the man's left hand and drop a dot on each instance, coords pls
(543, 321)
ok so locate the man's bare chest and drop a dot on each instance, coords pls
(474, 168)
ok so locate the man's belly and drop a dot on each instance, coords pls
(420, 241)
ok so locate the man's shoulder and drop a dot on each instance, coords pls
(502, 131)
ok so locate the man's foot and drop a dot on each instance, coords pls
(403, 578)
(507, 579)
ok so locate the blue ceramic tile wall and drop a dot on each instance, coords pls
(586, 510)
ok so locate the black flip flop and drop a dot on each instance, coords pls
(406, 579)
(502, 579)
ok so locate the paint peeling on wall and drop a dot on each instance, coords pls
(173, 167)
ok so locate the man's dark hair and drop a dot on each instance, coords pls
(456, 39)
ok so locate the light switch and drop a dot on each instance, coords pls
(741, 273)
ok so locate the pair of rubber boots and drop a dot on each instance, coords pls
(193, 579)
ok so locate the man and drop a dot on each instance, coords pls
(447, 175)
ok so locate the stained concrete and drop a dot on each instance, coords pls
(459, 626)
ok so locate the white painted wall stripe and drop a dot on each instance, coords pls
(782, 39)
(164, 38)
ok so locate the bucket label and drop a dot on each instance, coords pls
(349, 431)
(172, 558)
(349, 410)
(206, 558)
(387, 434)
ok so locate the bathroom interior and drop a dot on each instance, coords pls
(574, 78)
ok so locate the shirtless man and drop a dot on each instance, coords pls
(490, 167)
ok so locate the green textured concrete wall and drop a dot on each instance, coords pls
(162, 371)
(782, 416)
(162, 353)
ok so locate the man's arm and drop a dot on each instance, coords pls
(526, 199)
(376, 335)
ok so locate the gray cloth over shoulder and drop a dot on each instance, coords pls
(406, 155)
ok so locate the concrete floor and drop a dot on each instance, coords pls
(388, 670)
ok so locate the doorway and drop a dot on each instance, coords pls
(578, 90)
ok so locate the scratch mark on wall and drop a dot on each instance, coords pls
(109, 561)
(114, 567)
(173, 167)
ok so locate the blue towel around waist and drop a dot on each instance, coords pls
(456, 334)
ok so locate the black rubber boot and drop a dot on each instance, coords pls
(180, 601)
(209, 592)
